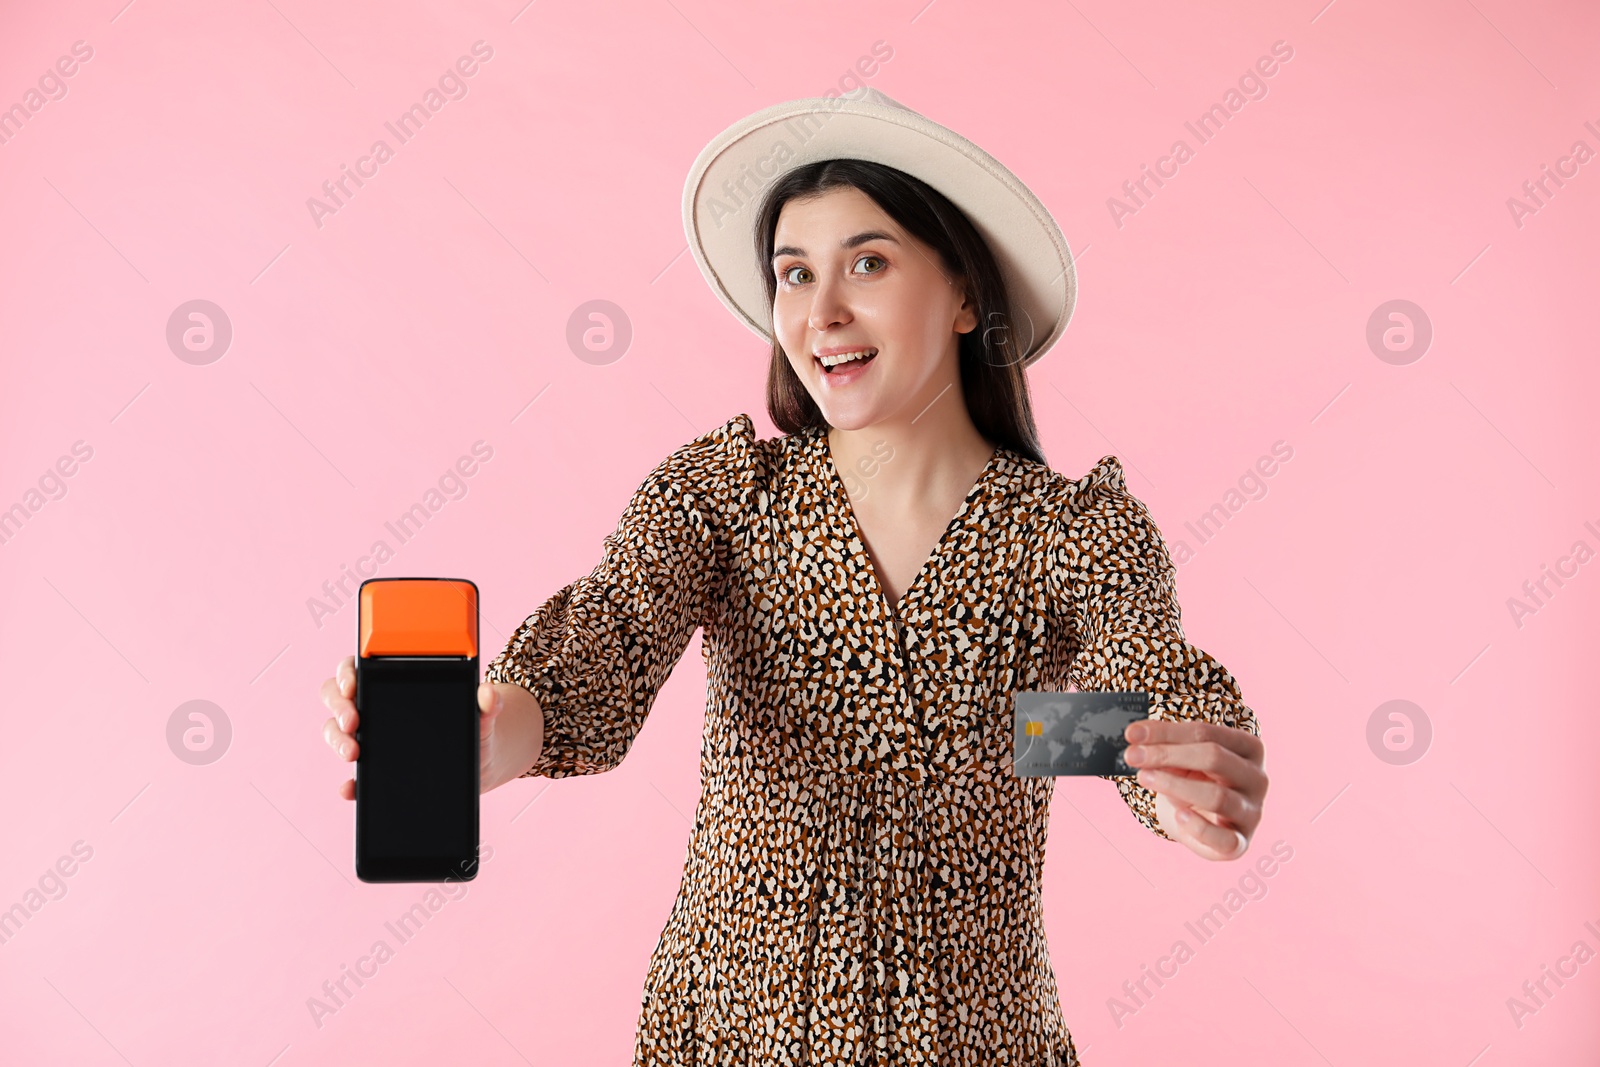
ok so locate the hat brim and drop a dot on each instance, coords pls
(724, 188)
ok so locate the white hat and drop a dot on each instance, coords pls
(724, 188)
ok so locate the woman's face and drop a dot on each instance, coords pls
(849, 278)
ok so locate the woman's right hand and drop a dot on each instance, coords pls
(510, 727)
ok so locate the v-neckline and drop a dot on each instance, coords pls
(823, 451)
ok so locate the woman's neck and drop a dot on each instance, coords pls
(931, 454)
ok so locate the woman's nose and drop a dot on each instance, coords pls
(828, 307)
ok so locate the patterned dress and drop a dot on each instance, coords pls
(862, 882)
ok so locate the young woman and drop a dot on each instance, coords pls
(863, 876)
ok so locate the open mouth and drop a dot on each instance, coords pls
(859, 358)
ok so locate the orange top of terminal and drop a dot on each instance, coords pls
(419, 617)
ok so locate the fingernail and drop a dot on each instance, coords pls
(1134, 754)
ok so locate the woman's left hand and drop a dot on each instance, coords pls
(1208, 781)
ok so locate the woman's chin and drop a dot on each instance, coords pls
(855, 403)
(849, 414)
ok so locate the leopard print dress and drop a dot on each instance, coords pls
(862, 882)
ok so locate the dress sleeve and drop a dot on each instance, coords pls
(596, 653)
(1114, 579)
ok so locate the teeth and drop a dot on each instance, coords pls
(846, 357)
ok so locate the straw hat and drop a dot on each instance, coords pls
(724, 189)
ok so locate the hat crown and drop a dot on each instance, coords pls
(877, 96)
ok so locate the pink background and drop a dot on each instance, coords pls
(1228, 313)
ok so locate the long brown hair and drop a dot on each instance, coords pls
(993, 380)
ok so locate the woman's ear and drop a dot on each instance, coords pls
(967, 314)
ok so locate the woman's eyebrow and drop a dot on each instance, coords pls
(848, 242)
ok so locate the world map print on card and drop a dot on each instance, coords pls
(1074, 733)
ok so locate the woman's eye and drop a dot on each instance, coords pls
(787, 276)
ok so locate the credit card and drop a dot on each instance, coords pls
(1074, 733)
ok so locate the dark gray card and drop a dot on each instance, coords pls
(1074, 733)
